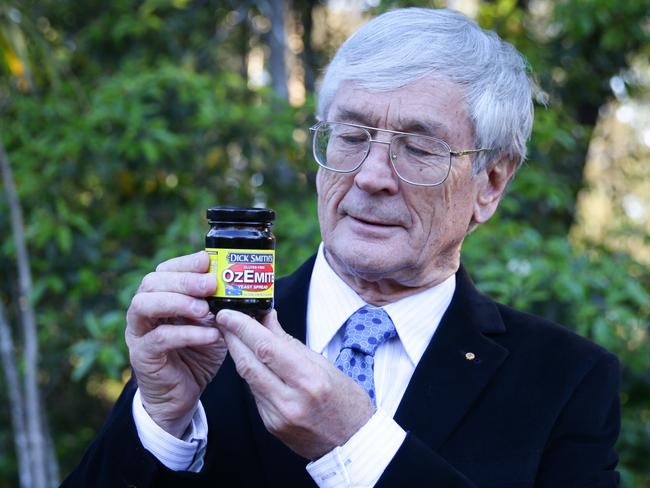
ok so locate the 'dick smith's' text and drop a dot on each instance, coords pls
(249, 258)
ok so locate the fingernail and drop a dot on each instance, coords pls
(206, 282)
(196, 261)
(224, 316)
(213, 334)
(199, 307)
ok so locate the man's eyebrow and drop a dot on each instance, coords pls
(424, 127)
(353, 116)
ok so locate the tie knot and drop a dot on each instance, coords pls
(367, 328)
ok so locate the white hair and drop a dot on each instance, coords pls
(404, 45)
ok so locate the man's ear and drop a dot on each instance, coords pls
(493, 182)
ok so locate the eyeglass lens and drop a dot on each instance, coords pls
(417, 159)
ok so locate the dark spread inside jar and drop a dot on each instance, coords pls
(242, 258)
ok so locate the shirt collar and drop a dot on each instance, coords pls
(331, 301)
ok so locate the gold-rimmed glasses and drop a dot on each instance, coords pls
(417, 159)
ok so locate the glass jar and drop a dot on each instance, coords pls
(242, 258)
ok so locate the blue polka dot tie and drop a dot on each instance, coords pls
(364, 331)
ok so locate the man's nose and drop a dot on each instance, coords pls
(377, 172)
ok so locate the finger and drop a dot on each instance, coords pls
(146, 308)
(165, 338)
(199, 262)
(287, 359)
(187, 283)
(268, 387)
(263, 382)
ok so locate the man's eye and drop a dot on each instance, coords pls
(352, 138)
(416, 151)
(427, 153)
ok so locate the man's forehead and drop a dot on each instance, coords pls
(427, 106)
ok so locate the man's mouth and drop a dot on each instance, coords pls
(373, 221)
(377, 214)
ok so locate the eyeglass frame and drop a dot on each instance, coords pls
(392, 156)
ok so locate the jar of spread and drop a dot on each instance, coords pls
(242, 258)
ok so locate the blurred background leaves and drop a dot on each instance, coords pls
(125, 120)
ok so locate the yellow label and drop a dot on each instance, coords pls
(243, 273)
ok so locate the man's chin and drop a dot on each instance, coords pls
(362, 259)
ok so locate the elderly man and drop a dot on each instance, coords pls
(383, 365)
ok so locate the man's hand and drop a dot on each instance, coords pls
(174, 348)
(304, 400)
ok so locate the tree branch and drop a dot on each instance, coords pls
(30, 338)
(275, 11)
(16, 404)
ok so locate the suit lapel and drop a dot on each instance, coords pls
(291, 300)
(456, 366)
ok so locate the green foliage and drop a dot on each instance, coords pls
(115, 177)
(574, 48)
(123, 177)
(150, 123)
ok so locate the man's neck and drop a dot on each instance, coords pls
(382, 290)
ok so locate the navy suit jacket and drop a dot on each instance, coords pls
(536, 406)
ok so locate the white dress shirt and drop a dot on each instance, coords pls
(364, 457)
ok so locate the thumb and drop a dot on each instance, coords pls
(270, 321)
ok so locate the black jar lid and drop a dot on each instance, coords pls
(240, 215)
